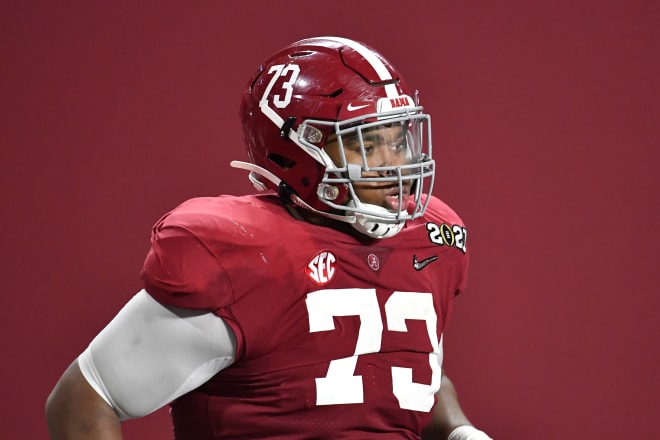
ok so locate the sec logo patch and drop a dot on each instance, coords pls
(322, 267)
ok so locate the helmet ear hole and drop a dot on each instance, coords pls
(283, 162)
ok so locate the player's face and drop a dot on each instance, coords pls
(383, 146)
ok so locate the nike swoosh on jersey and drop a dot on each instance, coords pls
(352, 108)
(421, 264)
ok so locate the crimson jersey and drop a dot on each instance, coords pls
(337, 337)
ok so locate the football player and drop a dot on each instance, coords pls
(314, 309)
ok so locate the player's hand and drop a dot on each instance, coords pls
(467, 432)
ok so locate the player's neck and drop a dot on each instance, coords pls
(320, 220)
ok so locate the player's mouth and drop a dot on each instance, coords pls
(396, 201)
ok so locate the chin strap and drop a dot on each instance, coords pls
(374, 226)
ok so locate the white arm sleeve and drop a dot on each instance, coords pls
(467, 432)
(150, 354)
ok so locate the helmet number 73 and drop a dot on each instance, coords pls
(341, 385)
(281, 71)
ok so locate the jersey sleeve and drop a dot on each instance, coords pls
(454, 235)
(182, 271)
(463, 273)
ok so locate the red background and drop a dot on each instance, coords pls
(545, 117)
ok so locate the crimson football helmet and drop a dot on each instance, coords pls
(331, 88)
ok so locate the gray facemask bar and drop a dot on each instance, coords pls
(420, 172)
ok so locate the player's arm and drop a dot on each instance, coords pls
(74, 411)
(147, 356)
(449, 422)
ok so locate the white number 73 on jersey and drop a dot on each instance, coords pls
(340, 385)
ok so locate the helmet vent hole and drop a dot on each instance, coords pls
(335, 93)
(301, 54)
(283, 162)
